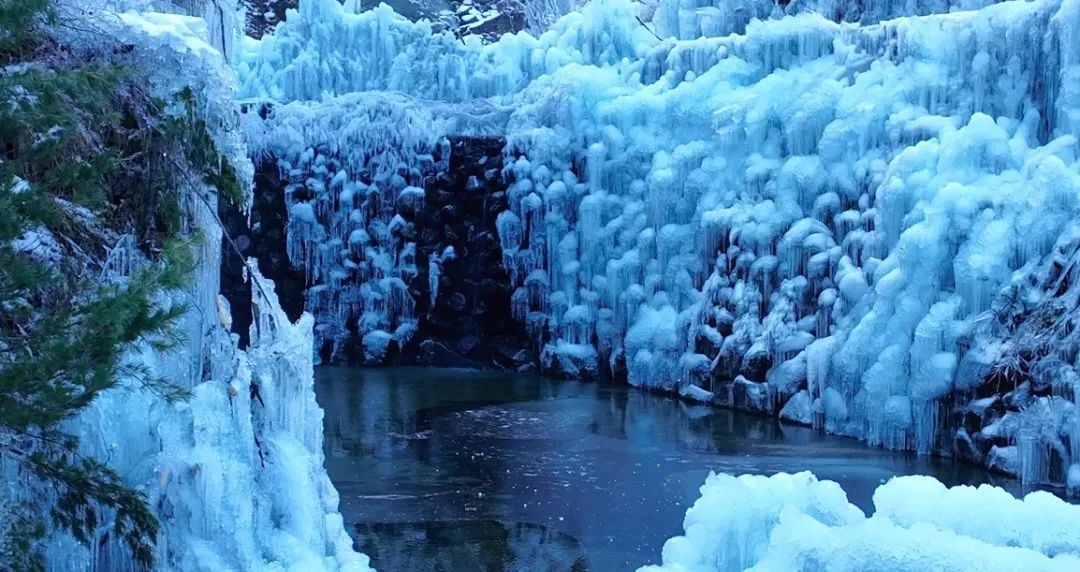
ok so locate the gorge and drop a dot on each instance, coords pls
(805, 224)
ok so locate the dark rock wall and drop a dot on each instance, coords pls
(262, 237)
(469, 324)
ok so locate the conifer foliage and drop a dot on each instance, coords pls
(88, 159)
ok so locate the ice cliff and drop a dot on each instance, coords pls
(235, 473)
(835, 212)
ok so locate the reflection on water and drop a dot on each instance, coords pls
(469, 545)
(509, 472)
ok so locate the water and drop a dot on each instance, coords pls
(465, 470)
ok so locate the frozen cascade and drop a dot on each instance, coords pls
(714, 18)
(235, 474)
(352, 166)
(865, 213)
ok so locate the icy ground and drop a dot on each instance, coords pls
(832, 212)
(789, 523)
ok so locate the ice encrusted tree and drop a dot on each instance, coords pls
(88, 181)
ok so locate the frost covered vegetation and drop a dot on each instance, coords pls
(834, 212)
(133, 433)
(88, 153)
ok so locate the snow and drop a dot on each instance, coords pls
(695, 393)
(799, 409)
(175, 44)
(40, 245)
(796, 522)
(720, 536)
(872, 189)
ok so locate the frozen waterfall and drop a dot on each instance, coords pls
(834, 212)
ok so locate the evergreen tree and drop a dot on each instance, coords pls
(86, 155)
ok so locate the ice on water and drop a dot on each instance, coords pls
(796, 522)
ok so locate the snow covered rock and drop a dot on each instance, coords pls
(799, 409)
(235, 474)
(729, 527)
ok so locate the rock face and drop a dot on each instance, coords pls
(263, 239)
(461, 291)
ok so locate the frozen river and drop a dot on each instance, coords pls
(465, 470)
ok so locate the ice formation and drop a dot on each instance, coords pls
(855, 220)
(235, 474)
(353, 165)
(796, 522)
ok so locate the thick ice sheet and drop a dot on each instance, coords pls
(797, 523)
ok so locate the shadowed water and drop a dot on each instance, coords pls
(463, 470)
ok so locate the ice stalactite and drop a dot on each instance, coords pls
(235, 473)
(323, 50)
(353, 169)
(866, 189)
(819, 213)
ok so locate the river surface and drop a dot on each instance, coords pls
(454, 470)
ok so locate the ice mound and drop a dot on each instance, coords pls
(796, 523)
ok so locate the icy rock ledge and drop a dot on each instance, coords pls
(235, 474)
(796, 522)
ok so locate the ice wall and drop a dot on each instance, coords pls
(798, 523)
(353, 109)
(827, 213)
(690, 19)
(352, 166)
(861, 223)
(234, 474)
(323, 50)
